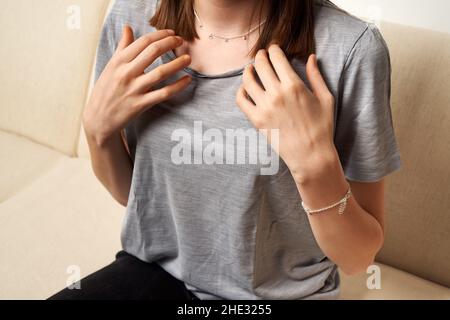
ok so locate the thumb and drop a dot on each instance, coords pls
(318, 85)
(127, 37)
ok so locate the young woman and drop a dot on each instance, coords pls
(203, 218)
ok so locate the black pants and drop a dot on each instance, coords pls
(128, 278)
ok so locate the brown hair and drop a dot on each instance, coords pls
(290, 24)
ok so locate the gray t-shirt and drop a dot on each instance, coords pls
(224, 228)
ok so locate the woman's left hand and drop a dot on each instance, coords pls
(304, 118)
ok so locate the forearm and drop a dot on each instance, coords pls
(352, 239)
(112, 165)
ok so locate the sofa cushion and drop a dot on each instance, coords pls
(418, 196)
(22, 162)
(394, 285)
(64, 218)
(49, 47)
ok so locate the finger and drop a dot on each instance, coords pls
(318, 85)
(154, 51)
(127, 38)
(157, 96)
(251, 85)
(134, 49)
(148, 80)
(265, 70)
(281, 64)
(247, 107)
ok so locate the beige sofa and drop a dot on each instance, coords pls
(55, 214)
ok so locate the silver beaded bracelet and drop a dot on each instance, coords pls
(341, 203)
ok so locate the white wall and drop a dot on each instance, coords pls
(430, 14)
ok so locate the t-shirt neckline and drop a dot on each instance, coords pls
(228, 74)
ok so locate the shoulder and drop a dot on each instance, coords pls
(127, 8)
(347, 41)
(343, 35)
(136, 14)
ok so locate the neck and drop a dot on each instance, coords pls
(229, 16)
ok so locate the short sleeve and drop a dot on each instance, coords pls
(106, 46)
(364, 132)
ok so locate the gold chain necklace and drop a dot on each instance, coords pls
(213, 36)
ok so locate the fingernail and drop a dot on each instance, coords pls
(170, 31)
(274, 45)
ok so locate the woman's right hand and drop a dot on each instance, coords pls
(124, 91)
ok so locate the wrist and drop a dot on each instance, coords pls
(94, 135)
(99, 139)
(323, 164)
(324, 186)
